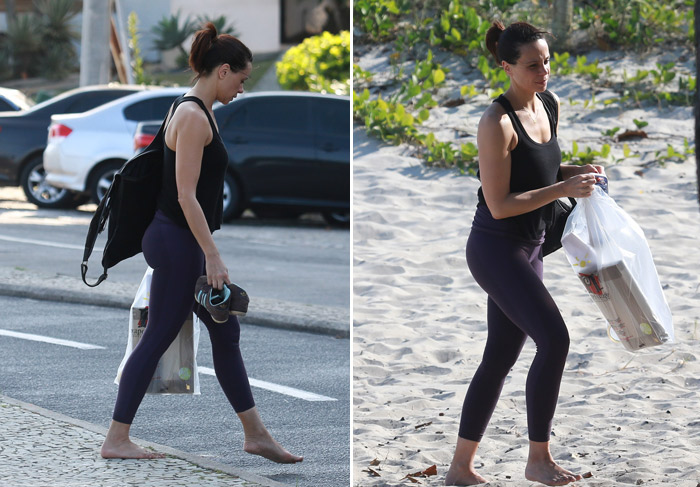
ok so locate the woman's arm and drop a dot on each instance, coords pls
(192, 134)
(495, 139)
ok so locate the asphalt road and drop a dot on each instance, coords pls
(300, 260)
(79, 383)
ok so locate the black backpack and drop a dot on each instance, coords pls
(129, 205)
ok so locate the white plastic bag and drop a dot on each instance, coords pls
(610, 254)
(176, 372)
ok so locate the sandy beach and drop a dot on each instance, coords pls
(419, 317)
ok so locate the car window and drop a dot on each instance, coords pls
(88, 101)
(233, 118)
(287, 115)
(151, 109)
(332, 116)
(5, 107)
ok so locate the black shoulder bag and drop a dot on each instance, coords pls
(555, 227)
(129, 205)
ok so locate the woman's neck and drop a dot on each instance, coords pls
(521, 99)
(205, 90)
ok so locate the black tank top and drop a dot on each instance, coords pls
(533, 166)
(210, 187)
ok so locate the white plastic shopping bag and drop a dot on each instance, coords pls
(177, 368)
(610, 254)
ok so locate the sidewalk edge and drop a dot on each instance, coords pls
(188, 457)
(290, 321)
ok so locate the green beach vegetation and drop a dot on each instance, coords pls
(422, 38)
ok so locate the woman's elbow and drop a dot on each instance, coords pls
(185, 200)
(497, 212)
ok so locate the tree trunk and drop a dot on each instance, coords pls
(10, 13)
(562, 17)
(95, 57)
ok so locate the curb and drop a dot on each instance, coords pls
(188, 457)
(278, 314)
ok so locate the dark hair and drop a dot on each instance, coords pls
(504, 42)
(210, 50)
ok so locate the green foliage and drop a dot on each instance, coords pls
(360, 77)
(136, 59)
(459, 28)
(388, 121)
(586, 156)
(561, 65)
(634, 23)
(321, 63)
(170, 35)
(377, 18)
(220, 23)
(41, 42)
(496, 77)
(427, 75)
(445, 154)
(671, 154)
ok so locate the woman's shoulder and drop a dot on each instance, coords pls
(550, 96)
(495, 117)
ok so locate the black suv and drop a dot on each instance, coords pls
(289, 153)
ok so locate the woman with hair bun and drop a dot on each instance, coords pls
(521, 176)
(178, 245)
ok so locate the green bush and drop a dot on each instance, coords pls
(321, 63)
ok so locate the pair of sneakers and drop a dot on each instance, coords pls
(220, 303)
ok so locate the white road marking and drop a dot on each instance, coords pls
(54, 341)
(270, 386)
(289, 391)
(46, 244)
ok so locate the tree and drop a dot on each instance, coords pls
(561, 23)
(219, 23)
(171, 35)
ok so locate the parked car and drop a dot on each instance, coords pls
(85, 150)
(288, 151)
(14, 100)
(23, 139)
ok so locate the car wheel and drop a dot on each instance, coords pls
(338, 218)
(233, 206)
(42, 194)
(102, 179)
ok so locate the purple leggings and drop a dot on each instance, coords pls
(519, 306)
(177, 262)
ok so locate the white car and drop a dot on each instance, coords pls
(85, 150)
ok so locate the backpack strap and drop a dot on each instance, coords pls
(99, 219)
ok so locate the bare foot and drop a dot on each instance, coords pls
(463, 478)
(267, 447)
(127, 449)
(549, 473)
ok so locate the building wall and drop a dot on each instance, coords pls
(257, 22)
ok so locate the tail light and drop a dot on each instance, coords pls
(59, 130)
(142, 141)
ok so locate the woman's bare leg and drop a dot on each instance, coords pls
(258, 440)
(542, 468)
(118, 445)
(462, 471)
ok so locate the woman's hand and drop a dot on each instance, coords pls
(217, 273)
(580, 185)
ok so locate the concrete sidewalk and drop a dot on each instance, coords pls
(262, 311)
(43, 448)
